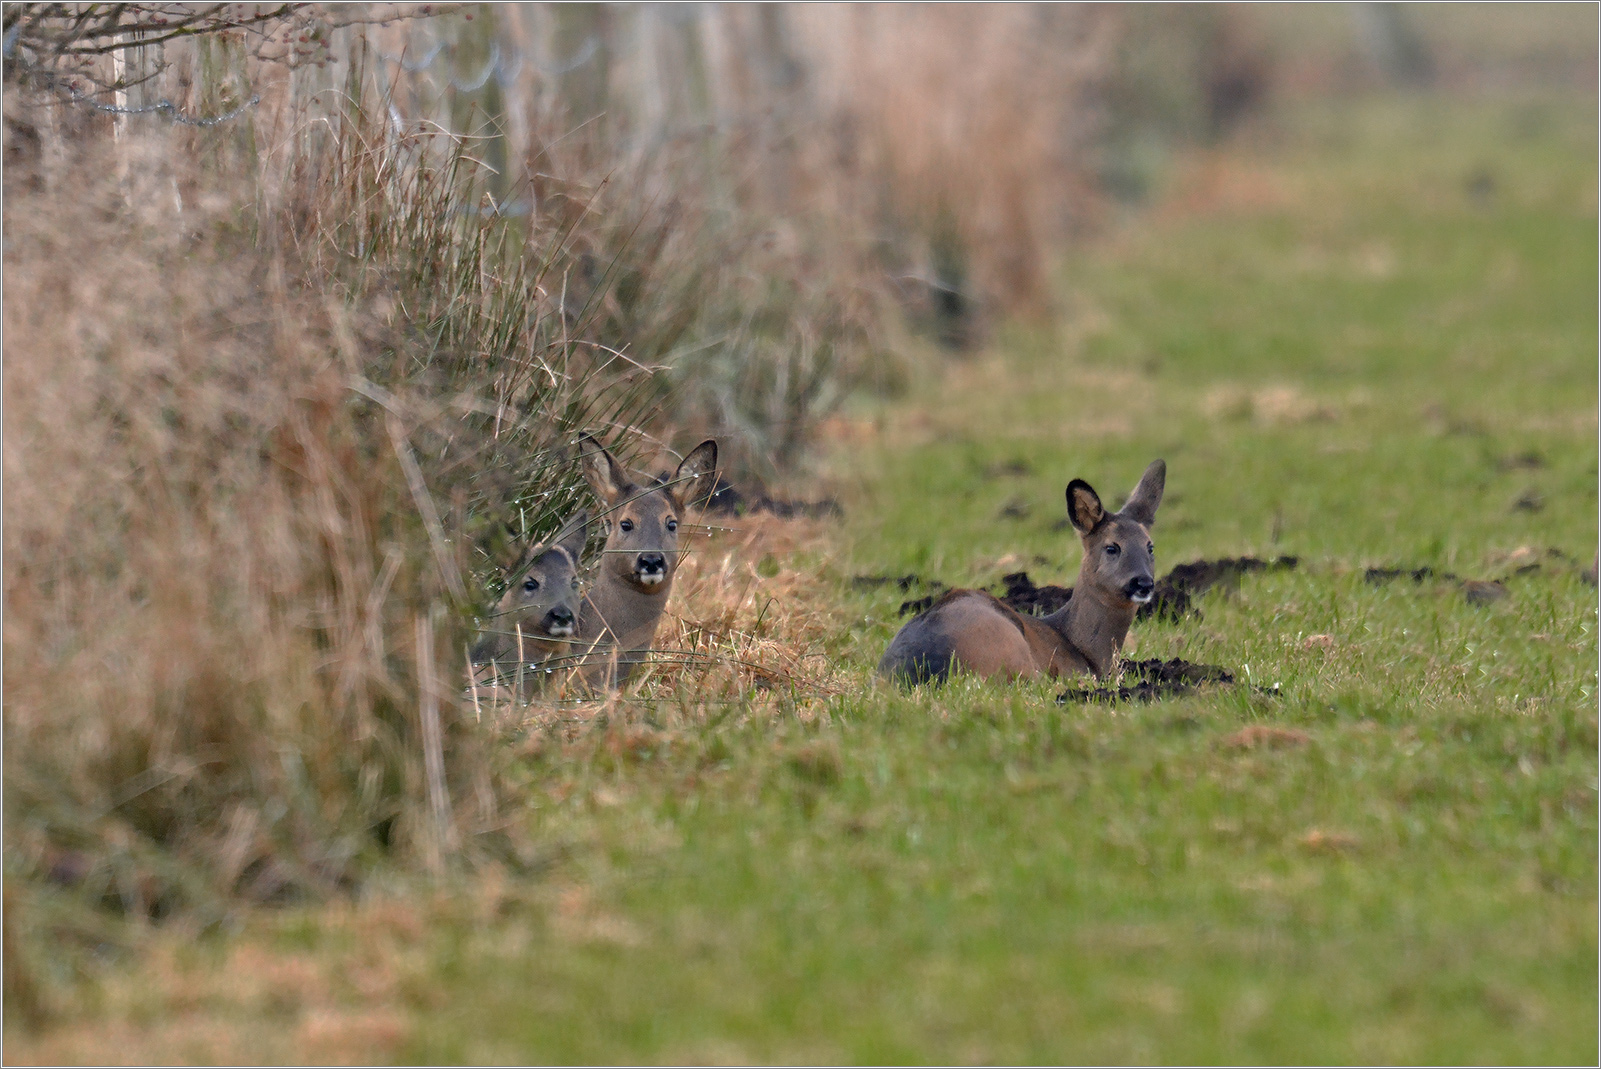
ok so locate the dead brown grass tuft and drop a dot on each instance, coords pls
(251, 444)
(1320, 841)
(253, 1002)
(1266, 737)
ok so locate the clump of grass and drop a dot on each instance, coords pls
(253, 448)
(217, 589)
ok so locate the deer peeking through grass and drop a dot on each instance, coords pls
(625, 603)
(973, 630)
(536, 620)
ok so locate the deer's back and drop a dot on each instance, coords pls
(973, 629)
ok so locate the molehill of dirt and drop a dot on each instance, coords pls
(1153, 679)
(1477, 591)
(1522, 562)
(729, 500)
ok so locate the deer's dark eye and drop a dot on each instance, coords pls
(1113, 549)
(1150, 547)
(627, 525)
(672, 525)
(575, 582)
(530, 584)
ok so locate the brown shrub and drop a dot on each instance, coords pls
(214, 568)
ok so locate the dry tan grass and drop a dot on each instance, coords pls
(1265, 737)
(1274, 405)
(252, 1002)
(203, 569)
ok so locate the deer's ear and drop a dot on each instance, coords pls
(573, 534)
(1142, 503)
(696, 476)
(605, 476)
(1084, 507)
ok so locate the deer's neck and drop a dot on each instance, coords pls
(1094, 626)
(617, 614)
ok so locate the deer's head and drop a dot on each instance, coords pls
(542, 599)
(642, 545)
(1119, 557)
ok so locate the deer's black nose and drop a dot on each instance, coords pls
(560, 615)
(651, 563)
(1139, 588)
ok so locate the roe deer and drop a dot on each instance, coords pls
(625, 603)
(536, 620)
(976, 631)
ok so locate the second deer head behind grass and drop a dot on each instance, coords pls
(974, 631)
(535, 623)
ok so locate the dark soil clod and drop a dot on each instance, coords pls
(728, 500)
(1529, 501)
(913, 606)
(1015, 509)
(1417, 575)
(1005, 468)
(1156, 670)
(1197, 577)
(1155, 679)
(905, 582)
(1528, 461)
(1477, 591)
(1022, 595)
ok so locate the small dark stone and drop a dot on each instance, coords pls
(1009, 468)
(1016, 509)
(1479, 592)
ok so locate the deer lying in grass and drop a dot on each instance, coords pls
(974, 630)
(625, 603)
(536, 620)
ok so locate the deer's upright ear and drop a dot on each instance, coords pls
(1084, 507)
(1147, 495)
(696, 476)
(573, 534)
(605, 476)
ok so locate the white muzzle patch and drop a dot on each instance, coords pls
(1141, 599)
(651, 578)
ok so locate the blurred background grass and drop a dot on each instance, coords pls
(283, 391)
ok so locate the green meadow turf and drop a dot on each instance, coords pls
(1368, 354)
(1371, 361)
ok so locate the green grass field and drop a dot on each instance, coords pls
(1363, 341)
